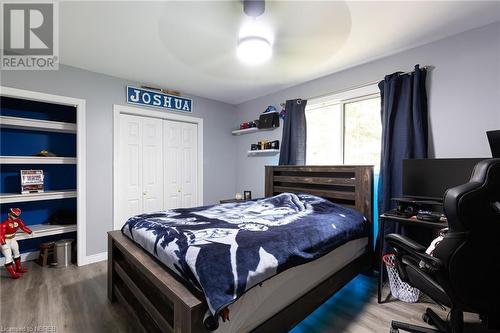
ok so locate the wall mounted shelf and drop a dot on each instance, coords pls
(265, 152)
(6, 198)
(37, 160)
(36, 124)
(42, 230)
(251, 130)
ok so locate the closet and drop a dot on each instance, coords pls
(157, 165)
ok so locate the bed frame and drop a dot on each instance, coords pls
(161, 303)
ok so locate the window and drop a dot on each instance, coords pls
(344, 128)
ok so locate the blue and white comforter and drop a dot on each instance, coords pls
(224, 250)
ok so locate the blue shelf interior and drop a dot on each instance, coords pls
(23, 108)
(16, 142)
(56, 177)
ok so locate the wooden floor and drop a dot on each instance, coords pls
(74, 299)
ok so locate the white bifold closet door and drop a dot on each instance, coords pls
(140, 166)
(181, 164)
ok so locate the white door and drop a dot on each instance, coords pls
(181, 164)
(129, 167)
(189, 170)
(152, 164)
(140, 166)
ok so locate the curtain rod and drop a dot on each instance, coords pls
(362, 85)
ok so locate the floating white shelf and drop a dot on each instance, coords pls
(251, 130)
(6, 198)
(265, 152)
(37, 160)
(36, 124)
(42, 230)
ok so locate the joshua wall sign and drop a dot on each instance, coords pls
(158, 99)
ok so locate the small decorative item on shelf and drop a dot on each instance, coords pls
(9, 246)
(247, 195)
(238, 196)
(62, 217)
(45, 153)
(31, 181)
(283, 111)
(269, 120)
(249, 124)
(270, 108)
(264, 145)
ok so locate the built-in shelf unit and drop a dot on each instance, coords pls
(31, 122)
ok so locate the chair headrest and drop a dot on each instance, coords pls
(476, 203)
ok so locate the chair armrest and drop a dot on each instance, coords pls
(397, 240)
(412, 248)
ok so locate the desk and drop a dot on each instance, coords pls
(381, 244)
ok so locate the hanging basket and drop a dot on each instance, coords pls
(399, 289)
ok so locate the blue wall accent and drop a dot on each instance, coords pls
(37, 212)
(37, 110)
(15, 142)
(56, 177)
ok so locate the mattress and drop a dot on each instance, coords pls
(262, 302)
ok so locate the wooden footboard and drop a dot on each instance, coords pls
(157, 300)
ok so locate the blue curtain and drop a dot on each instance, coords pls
(293, 141)
(404, 131)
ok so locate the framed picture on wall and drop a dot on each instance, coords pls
(247, 195)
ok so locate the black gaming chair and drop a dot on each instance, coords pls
(464, 271)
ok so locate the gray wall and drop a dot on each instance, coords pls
(464, 97)
(464, 100)
(101, 92)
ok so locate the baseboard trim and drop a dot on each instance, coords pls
(24, 257)
(93, 258)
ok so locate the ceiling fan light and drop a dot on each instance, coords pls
(254, 50)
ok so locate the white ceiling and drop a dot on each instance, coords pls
(191, 46)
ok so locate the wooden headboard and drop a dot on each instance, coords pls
(348, 185)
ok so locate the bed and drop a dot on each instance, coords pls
(162, 301)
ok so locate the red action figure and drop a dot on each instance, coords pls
(10, 248)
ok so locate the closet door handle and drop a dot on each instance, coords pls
(144, 193)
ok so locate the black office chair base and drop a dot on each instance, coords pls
(432, 318)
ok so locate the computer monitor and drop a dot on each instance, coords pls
(430, 178)
(494, 139)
